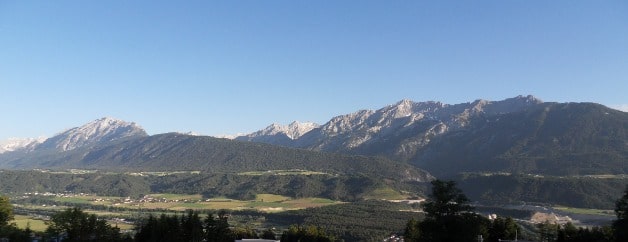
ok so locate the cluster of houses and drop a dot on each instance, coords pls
(60, 194)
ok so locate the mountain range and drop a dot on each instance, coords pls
(361, 129)
(517, 149)
(115, 145)
(516, 135)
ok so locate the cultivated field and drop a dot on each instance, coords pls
(181, 202)
(163, 203)
(35, 224)
(586, 211)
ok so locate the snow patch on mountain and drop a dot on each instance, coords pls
(190, 133)
(100, 130)
(621, 107)
(17, 144)
(293, 130)
(229, 136)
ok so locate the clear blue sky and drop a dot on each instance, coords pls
(223, 67)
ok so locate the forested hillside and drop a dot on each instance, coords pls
(174, 152)
(236, 186)
(551, 138)
(582, 192)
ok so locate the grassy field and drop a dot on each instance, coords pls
(587, 211)
(311, 202)
(38, 225)
(174, 204)
(122, 226)
(385, 193)
(271, 198)
(23, 221)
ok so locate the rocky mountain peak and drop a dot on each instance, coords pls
(373, 129)
(103, 129)
(297, 129)
(293, 130)
(402, 108)
(404, 104)
(408, 108)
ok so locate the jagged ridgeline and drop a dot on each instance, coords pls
(518, 135)
(562, 139)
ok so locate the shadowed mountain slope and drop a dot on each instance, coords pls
(174, 151)
(521, 134)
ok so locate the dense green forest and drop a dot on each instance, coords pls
(559, 139)
(583, 192)
(236, 186)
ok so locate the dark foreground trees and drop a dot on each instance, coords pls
(6, 211)
(620, 226)
(570, 233)
(190, 227)
(9, 230)
(449, 217)
(306, 234)
(73, 224)
(503, 229)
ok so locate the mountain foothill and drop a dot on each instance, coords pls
(398, 146)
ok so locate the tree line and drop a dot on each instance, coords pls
(215, 228)
(580, 192)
